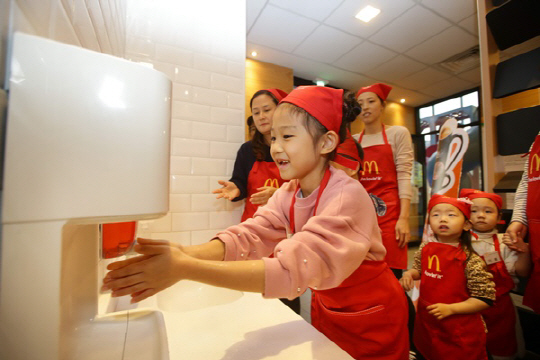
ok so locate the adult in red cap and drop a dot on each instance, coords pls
(504, 264)
(255, 176)
(386, 174)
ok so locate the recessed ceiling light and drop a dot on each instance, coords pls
(253, 53)
(402, 101)
(367, 13)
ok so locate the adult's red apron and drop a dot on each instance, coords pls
(532, 292)
(443, 281)
(263, 173)
(501, 317)
(366, 315)
(379, 178)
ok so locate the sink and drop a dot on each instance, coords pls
(190, 295)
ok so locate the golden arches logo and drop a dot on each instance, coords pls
(534, 159)
(370, 165)
(430, 262)
(272, 182)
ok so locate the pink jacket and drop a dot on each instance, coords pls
(324, 250)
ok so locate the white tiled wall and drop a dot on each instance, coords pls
(200, 46)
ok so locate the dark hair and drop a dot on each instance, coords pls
(257, 141)
(466, 243)
(249, 121)
(351, 109)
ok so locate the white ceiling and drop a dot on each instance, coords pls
(321, 39)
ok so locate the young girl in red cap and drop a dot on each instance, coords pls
(388, 163)
(320, 227)
(455, 286)
(504, 264)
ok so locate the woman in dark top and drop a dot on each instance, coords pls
(255, 176)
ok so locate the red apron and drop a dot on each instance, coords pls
(379, 178)
(532, 292)
(366, 315)
(443, 281)
(501, 317)
(263, 173)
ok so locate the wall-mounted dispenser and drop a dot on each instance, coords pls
(87, 143)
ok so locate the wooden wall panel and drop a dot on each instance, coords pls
(520, 100)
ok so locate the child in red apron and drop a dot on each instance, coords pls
(503, 263)
(255, 175)
(455, 286)
(320, 227)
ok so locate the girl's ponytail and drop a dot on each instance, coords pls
(351, 109)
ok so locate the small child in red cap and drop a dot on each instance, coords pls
(455, 286)
(504, 263)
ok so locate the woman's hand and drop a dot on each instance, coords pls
(161, 265)
(403, 233)
(406, 281)
(229, 190)
(440, 311)
(261, 197)
(516, 232)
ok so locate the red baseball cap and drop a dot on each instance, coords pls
(382, 90)
(323, 103)
(347, 153)
(464, 205)
(475, 194)
(278, 93)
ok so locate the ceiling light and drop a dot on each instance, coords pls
(367, 13)
(253, 53)
(402, 101)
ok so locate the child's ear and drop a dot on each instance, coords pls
(468, 225)
(330, 141)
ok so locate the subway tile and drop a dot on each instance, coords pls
(227, 116)
(190, 147)
(202, 236)
(140, 46)
(227, 83)
(223, 150)
(210, 97)
(182, 92)
(190, 111)
(181, 128)
(224, 219)
(189, 184)
(190, 221)
(207, 202)
(190, 76)
(207, 62)
(174, 55)
(236, 69)
(206, 131)
(205, 166)
(162, 224)
(180, 165)
(236, 205)
(179, 203)
(236, 101)
(235, 134)
(230, 166)
(166, 68)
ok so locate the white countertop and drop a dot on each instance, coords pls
(243, 327)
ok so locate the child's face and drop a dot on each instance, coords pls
(292, 146)
(262, 110)
(484, 215)
(447, 222)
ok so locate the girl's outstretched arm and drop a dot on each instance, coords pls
(469, 306)
(407, 280)
(163, 264)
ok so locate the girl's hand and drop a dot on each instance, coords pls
(403, 234)
(406, 281)
(160, 266)
(229, 190)
(261, 197)
(440, 311)
(516, 231)
(519, 245)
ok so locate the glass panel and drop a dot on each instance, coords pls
(426, 111)
(446, 106)
(470, 99)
